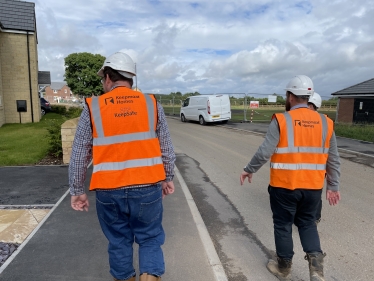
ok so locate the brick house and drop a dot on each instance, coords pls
(57, 91)
(18, 62)
(356, 103)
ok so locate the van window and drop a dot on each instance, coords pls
(186, 102)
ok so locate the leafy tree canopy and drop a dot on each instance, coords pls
(81, 73)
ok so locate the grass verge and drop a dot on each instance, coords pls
(25, 144)
(353, 131)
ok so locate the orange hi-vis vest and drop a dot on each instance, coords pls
(299, 161)
(126, 150)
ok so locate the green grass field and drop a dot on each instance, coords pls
(25, 144)
(360, 132)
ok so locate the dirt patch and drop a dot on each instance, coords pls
(50, 160)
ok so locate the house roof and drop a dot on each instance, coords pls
(44, 77)
(360, 89)
(57, 85)
(17, 15)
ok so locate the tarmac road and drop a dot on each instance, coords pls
(239, 220)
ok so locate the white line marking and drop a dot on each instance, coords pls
(213, 258)
(15, 253)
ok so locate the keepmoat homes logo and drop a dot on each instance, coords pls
(123, 111)
(125, 99)
(306, 123)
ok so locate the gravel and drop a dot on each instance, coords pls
(22, 207)
(50, 160)
(6, 250)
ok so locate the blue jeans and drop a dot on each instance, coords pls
(295, 206)
(128, 215)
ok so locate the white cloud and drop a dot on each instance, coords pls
(216, 46)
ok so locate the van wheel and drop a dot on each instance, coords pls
(183, 119)
(201, 120)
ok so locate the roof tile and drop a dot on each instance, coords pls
(14, 13)
(366, 87)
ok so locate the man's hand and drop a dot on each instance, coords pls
(80, 202)
(167, 188)
(333, 197)
(244, 175)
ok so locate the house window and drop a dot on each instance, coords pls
(55, 91)
(66, 91)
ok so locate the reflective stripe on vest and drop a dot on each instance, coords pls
(299, 166)
(127, 164)
(299, 161)
(301, 149)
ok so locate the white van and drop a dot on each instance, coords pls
(206, 108)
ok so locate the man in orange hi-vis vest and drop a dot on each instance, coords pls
(125, 134)
(301, 146)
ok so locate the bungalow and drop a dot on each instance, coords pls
(356, 103)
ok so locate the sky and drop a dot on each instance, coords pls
(212, 46)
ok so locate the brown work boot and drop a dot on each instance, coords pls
(281, 269)
(148, 277)
(315, 266)
(131, 279)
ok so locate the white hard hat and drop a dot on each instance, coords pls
(300, 85)
(316, 100)
(121, 62)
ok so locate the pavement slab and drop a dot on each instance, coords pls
(16, 225)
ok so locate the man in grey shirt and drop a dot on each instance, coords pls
(302, 147)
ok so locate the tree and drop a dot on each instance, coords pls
(281, 100)
(186, 95)
(81, 73)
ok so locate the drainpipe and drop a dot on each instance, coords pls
(28, 60)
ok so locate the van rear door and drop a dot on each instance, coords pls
(225, 106)
(214, 106)
(219, 105)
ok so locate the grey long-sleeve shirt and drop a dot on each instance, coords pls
(267, 148)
